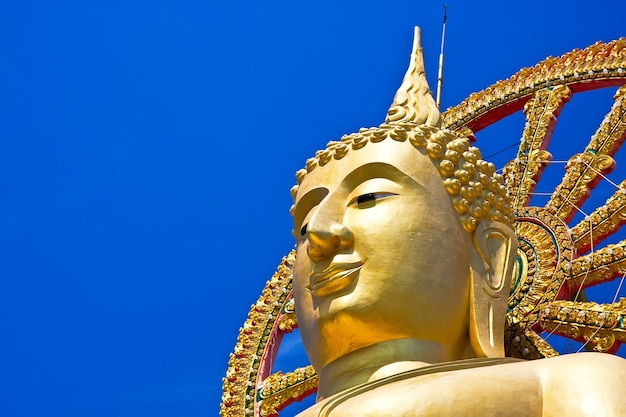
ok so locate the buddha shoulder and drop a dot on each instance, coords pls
(583, 384)
(587, 384)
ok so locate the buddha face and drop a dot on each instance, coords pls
(381, 254)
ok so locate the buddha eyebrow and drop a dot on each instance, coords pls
(376, 170)
(305, 203)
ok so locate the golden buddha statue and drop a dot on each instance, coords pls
(405, 253)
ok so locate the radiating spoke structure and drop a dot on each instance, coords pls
(584, 170)
(556, 259)
(524, 171)
(553, 305)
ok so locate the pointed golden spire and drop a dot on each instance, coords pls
(414, 102)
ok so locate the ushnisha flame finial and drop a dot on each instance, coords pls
(413, 101)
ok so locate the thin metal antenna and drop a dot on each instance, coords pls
(443, 36)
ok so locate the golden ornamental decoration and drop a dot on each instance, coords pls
(599, 65)
(256, 346)
(556, 259)
(413, 101)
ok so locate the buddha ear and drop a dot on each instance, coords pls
(492, 260)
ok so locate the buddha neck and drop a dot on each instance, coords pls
(381, 360)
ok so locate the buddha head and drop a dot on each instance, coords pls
(403, 232)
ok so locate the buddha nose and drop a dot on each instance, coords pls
(327, 241)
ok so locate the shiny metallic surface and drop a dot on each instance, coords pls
(411, 292)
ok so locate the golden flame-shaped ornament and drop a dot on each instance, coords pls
(414, 101)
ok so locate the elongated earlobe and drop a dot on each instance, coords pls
(495, 248)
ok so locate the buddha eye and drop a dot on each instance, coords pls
(369, 199)
(365, 198)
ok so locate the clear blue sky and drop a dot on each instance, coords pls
(148, 148)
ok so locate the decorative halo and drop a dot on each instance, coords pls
(556, 260)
